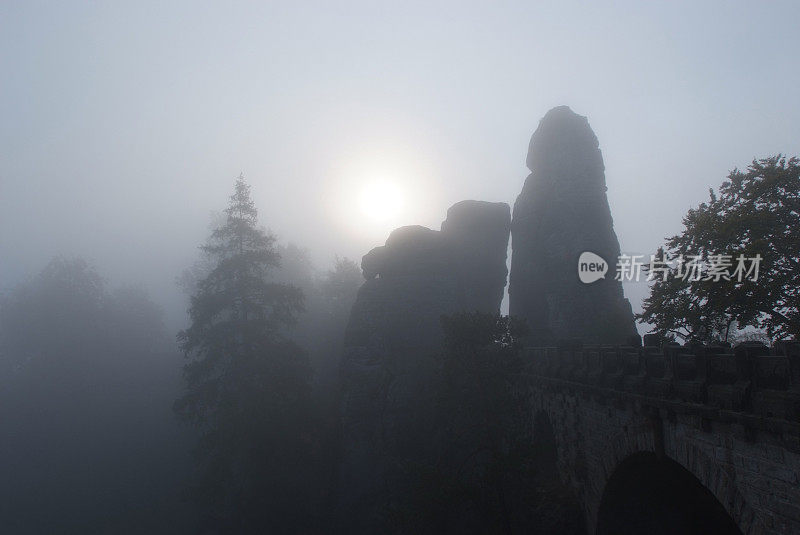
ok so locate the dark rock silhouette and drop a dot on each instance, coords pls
(394, 333)
(477, 233)
(561, 212)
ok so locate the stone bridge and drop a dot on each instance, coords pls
(656, 440)
(672, 440)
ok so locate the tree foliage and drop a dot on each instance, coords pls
(87, 375)
(248, 385)
(66, 316)
(339, 286)
(756, 212)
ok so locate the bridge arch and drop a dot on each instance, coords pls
(655, 495)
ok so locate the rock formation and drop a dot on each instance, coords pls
(562, 212)
(394, 333)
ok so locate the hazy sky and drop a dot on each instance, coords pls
(122, 126)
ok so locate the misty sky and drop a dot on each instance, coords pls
(122, 127)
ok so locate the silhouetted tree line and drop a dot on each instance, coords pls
(86, 445)
(88, 373)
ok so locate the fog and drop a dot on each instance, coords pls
(123, 127)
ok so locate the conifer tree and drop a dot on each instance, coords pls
(248, 385)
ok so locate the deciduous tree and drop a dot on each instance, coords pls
(755, 214)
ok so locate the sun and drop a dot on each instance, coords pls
(381, 200)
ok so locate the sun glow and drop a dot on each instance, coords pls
(374, 191)
(381, 200)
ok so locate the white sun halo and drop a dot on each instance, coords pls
(381, 200)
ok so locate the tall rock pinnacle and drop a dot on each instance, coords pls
(562, 212)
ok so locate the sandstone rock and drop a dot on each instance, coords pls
(478, 236)
(394, 333)
(562, 212)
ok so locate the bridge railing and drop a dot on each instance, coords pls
(750, 377)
